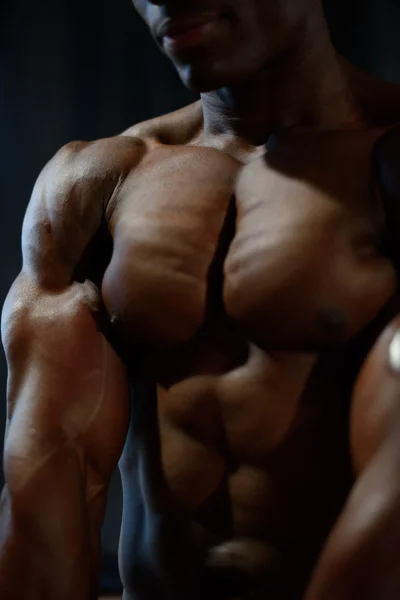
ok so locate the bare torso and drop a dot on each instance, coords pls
(243, 292)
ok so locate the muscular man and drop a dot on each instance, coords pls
(214, 294)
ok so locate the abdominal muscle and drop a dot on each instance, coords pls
(252, 458)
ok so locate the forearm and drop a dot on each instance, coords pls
(46, 551)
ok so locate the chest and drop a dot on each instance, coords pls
(287, 245)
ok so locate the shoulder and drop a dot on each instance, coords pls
(83, 170)
(69, 200)
(176, 128)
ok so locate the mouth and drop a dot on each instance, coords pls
(181, 33)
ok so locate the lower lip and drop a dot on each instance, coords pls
(195, 36)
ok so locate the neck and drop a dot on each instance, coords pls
(307, 87)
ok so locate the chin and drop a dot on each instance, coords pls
(201, 84)
(207, 79)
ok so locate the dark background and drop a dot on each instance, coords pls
(84, 69)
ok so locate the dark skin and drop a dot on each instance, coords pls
(214, 295)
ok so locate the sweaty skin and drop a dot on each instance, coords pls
(211, 299)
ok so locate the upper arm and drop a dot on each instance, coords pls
(61, 369)
(362, 552)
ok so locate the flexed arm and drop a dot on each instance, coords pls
(67, 388)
